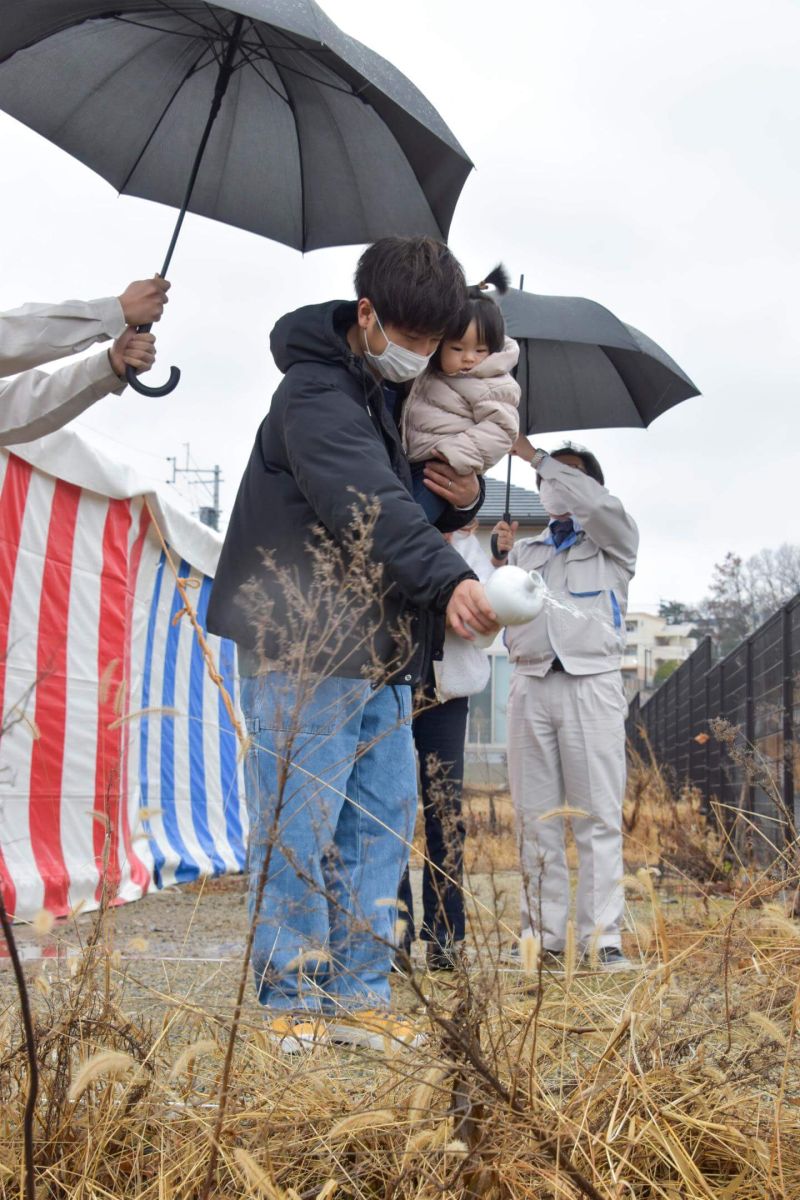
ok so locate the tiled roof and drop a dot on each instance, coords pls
(526, 507)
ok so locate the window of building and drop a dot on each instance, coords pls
(487, 723)
(479, 727)
(631, 626)
(501, 681)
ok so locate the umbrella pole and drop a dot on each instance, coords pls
(507, 512)
(496, 551)
(223, 79)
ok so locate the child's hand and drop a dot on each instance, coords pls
(132, 349)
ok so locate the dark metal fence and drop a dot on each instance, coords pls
(755, 688)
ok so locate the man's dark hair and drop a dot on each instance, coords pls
(413, 282)
(590, 463)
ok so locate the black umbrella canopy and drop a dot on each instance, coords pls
(318, 142)
(582, 368)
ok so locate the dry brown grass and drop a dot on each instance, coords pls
(678, 1080)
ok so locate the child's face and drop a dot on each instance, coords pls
(464, 353)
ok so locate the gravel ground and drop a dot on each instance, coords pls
(185, 943)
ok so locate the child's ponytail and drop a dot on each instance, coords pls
(482, 309)
(498, 279)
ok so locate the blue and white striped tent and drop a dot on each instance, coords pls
(187, 764)
(125, 764)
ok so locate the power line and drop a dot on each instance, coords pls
(208, 477)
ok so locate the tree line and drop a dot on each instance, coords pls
(742, 594)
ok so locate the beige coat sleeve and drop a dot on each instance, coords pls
(40, 333)
(495, 428)
(36, 403)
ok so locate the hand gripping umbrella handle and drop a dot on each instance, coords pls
(142, 388)
(496, 551)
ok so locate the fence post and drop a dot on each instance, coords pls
(788, 717)
(707, 748)
(749, 717)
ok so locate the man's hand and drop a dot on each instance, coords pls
(132, 349)
(143, 301)
(468, 605)
(522, 448)
(505, 540)
(462, 491)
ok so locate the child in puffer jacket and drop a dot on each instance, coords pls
(463, 408)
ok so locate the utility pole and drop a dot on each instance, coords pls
(208, 514)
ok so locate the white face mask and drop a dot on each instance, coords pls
(549, 496)
(396, 363)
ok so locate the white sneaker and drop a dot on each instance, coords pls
(294, 1034)
(374, 1029)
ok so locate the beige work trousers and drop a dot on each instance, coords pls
(566, 745)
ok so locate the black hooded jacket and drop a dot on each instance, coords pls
(328, 432)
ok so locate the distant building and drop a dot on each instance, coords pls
(651, 642)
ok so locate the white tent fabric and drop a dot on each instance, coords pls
(117, 748)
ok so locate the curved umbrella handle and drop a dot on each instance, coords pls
(496, 551)
(144, 389)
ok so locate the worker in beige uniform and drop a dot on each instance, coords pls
(36, 403)
(566, 708)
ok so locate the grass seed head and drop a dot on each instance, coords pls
(111, 1064)
(201, 1049)
(43, 922)
(530, 946)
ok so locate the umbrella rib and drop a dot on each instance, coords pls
(295, 45)
(194, 69)
(187, 16)
(292, 109)
(192, 37)
(253, 64)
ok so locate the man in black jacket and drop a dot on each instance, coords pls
(328, 660)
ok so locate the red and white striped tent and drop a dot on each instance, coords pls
(110, 719)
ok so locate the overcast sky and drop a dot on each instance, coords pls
(643, 154)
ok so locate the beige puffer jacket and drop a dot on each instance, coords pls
(471, 419)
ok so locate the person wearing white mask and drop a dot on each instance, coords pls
(35, 402)
(331, 781)
(566, 708)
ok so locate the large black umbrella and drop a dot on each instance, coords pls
(261, 113)
(580, 367)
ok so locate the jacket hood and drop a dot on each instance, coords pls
(314, 333)
(501, 363)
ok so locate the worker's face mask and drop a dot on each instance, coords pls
(396, 363)
(552, 503)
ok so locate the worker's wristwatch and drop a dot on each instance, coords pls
(536, 461)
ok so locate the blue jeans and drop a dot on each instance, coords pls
(330, 782)
(432, 505)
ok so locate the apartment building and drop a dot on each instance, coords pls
(651, 642)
